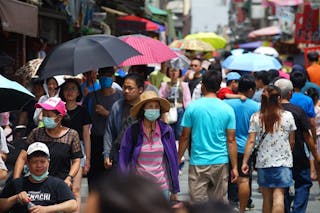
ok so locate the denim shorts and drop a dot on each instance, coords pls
(275, 177)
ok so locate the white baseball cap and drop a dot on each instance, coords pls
(38, 146)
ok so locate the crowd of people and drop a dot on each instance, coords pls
(129, 138)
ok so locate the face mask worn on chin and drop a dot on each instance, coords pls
(49, 122)
(105, 82)
(40, 177)
(152, 114)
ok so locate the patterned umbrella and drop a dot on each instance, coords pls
(152, 50)
(30, 69)
(196, 45)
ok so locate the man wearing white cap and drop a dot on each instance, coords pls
(37, 192)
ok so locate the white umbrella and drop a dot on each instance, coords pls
(267, 51)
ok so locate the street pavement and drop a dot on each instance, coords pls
(313, 205)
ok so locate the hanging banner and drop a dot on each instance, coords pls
(307, 26)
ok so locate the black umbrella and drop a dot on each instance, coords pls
(5, 59)
(13, 95)
(85, 53)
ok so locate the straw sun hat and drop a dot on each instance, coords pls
(146, 97)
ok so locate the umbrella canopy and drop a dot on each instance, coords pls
(30, 69)
(85, 53)
(251, 62)
(176, 44)
(250, 45)
(267, 51)
(5, 59)
(287, 2)
(13, 95)
(196, 45)
(152, 50)
(238, 51)
(181, 62)
(267, 31)
(216, 41)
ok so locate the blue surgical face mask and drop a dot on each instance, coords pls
(49, 122)
(105, 82)
(40, 177)
(152, 114)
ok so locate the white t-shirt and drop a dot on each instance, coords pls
(275, 150)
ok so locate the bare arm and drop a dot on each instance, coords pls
(73, 171)
(235, 96)
(313, 130)
(67, 206)
(249, 146)
(312, 146)
(21, 161)
(87, 146)
(233, 155)
(292, 139)
(183, 142)
(7, 203)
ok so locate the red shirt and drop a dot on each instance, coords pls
(223, 91)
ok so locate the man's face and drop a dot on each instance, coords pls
(38, 165)
(130, 90)
(195, 66)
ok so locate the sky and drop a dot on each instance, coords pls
(206, 15)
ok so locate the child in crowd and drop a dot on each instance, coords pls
(230, 91)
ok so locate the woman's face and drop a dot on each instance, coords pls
(52, 86)
(152, 105)
(174, 73)
(52, 114)
(70, 92)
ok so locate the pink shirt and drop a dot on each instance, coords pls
(151, 162)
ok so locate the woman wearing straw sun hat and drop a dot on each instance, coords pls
(148, 146)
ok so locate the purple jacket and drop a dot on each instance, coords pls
(170, 150)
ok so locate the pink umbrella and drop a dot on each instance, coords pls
(267, 31)
(152, 50)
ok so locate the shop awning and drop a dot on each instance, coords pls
(19, 17)
(113, 11)
(136, 24)
(156, 11)
(267, 31)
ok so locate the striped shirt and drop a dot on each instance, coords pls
(151, 162)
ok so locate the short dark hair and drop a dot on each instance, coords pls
(137, 78)
(246, 83)
(72, 81)
(263, 76)
(212, 80)
(108, 70)
(298, 79)
(37, 154)
(313, 56)
(313, 93)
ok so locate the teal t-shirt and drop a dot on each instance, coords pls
(209, 120)
(243, 111)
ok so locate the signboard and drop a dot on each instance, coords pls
(307, 26)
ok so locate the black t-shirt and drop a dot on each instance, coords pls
(49, 192)
(77, 119)
(300, 160)
(62, 150)
(193, 83)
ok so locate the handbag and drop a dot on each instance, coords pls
(255, 151)
(173, 111)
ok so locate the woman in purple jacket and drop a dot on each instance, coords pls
(148, 147)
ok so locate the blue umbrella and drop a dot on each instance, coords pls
(251, 62)
(13, 95)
